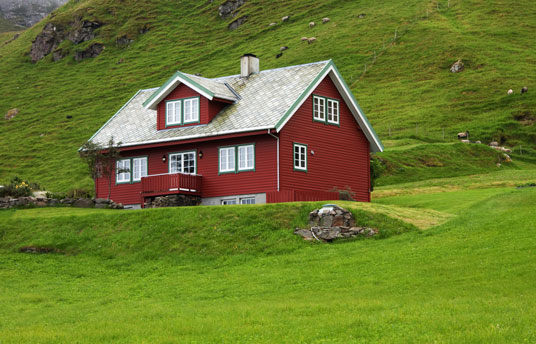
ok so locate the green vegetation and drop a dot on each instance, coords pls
(237, 274)
(407, 86)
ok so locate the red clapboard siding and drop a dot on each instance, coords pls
(341, 153)
(263, 179)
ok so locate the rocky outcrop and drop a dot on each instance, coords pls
(78, 31)
(82, 30)
(228, 8)
(173, 201)
(332, 222)
(46, 41)
(93, 50)
(28, 12)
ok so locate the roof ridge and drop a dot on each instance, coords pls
(275, 69)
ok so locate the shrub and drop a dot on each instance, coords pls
(19, 188)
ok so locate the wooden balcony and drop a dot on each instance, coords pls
(168, 184)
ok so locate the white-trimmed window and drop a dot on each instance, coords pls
(246, 158)
(183, 162)
(228, 201)
(191, 110)
(131, 170)
(319, 108)
(123, 171)
(300, 157)
(247, 200)
(139, 168)
(325, 110)
(333, 111)
(227, 159)
(182, 111)
(173, 112)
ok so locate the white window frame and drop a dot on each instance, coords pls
(142, 169)
(303, 154)
(244, 155)
(225, 165)
(130, 176)
(229, 201)
(182, 154)
(319, 109)
(333, 105)
(185, 107)
(122, 177)
(247, 200)
(175, 118)
(191, 104)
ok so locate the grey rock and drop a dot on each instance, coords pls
(102, 201)
(123, 40)
(46, 41)
(235, 24)
(11, 113)
(93, 50)
(83, 203)
(82, 30)
(229, 8)
(457, 67)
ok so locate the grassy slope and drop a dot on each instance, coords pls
(466, 281)
(407, 85)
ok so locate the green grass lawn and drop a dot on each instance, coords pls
(166, 276)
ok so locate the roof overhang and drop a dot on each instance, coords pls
(331, 70)
(177, 79)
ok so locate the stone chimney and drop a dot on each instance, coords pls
(249, 64)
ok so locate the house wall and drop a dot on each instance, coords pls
(263, 179)
(341, 153)
(208, 109)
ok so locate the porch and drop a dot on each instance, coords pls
(170, 184)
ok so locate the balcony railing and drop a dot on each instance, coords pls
(174, 183)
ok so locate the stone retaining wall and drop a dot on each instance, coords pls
(10, 202)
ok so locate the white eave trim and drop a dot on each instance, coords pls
(170, 87)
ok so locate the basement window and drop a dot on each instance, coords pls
(230, 201)
(247, 200)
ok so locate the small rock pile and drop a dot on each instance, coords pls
(173, 201)
(10, 202)
(332, 222)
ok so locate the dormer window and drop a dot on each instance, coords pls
(182, 111)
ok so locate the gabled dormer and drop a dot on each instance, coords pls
(187, 100)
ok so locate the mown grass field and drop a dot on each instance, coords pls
(238, 274)
(407, 86)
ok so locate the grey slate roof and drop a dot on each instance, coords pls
(264, 99)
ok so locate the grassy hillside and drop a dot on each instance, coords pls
(407, 86)
(237, 274)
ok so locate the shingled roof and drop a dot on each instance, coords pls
(265, 100)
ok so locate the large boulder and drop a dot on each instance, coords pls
(332, 222)
(83, 203)
(82, 30)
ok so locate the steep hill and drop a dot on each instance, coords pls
(406, 88)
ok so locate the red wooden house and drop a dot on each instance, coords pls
(286, 134)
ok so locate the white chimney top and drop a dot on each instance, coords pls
(249, 64)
